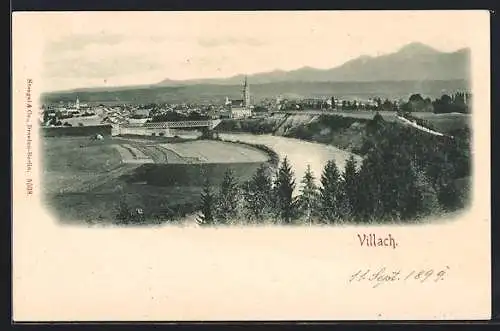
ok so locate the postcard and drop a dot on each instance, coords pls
(251, 166)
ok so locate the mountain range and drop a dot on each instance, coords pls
(413, 62)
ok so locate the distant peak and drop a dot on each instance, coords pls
(306, 68)
(363, 58)
(417, 48)
(462, 50)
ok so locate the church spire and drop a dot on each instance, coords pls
(246, 93)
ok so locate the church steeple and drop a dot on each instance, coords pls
(246, 93)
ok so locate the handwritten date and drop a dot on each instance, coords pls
(381, 276)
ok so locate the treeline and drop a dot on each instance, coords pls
(456, 103)
(441, 162)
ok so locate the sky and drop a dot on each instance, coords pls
(95, 49)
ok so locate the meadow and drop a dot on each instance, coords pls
(86, 180)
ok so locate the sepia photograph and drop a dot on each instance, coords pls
(247, 129)
(228, 131)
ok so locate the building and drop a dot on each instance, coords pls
(241, 108)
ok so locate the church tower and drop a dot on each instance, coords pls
(246, 93)
(77, 104)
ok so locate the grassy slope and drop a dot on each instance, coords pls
(87, 183)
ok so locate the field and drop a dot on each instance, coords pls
(86, 180)
(447, 122)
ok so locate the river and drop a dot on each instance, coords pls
(300, 153)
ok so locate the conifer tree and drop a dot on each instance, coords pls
(124, 213)
(348, 193)
(206, 216)
(228, 198)
(329, 192)
(308, 199)
(257, 195)
(421, 199)
(283, 188)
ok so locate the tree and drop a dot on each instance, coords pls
(228, 198)
(206, 216)
(349, 188)
(369, 199)
(308, 199)
(329, 192)
(446, 99)
(257, 193)
(124, 214)
(427, 198)
(387, 105)
(283, 188)
(46, 116)
(415, 98)
(376, 124)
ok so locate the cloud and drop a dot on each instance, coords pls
(231, 41)
(78, 42)
(107, 67)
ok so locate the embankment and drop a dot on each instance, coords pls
(273, 156)
(340, 131)
(344, 131)
(264, 125)
(76, 131)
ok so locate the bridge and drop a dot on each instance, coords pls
(175, 124)
(164, 127)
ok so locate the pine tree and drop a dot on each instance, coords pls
(257, 195)
(283, 188)
(308, 199)
(124, 213)
(329, 192)
(427, 198)
(228, 198)
(206, 216)
(349, 189)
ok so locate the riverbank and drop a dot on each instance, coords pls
(344, 130)
(330, 129)
(299, 153)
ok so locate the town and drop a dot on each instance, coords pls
(77, 113)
